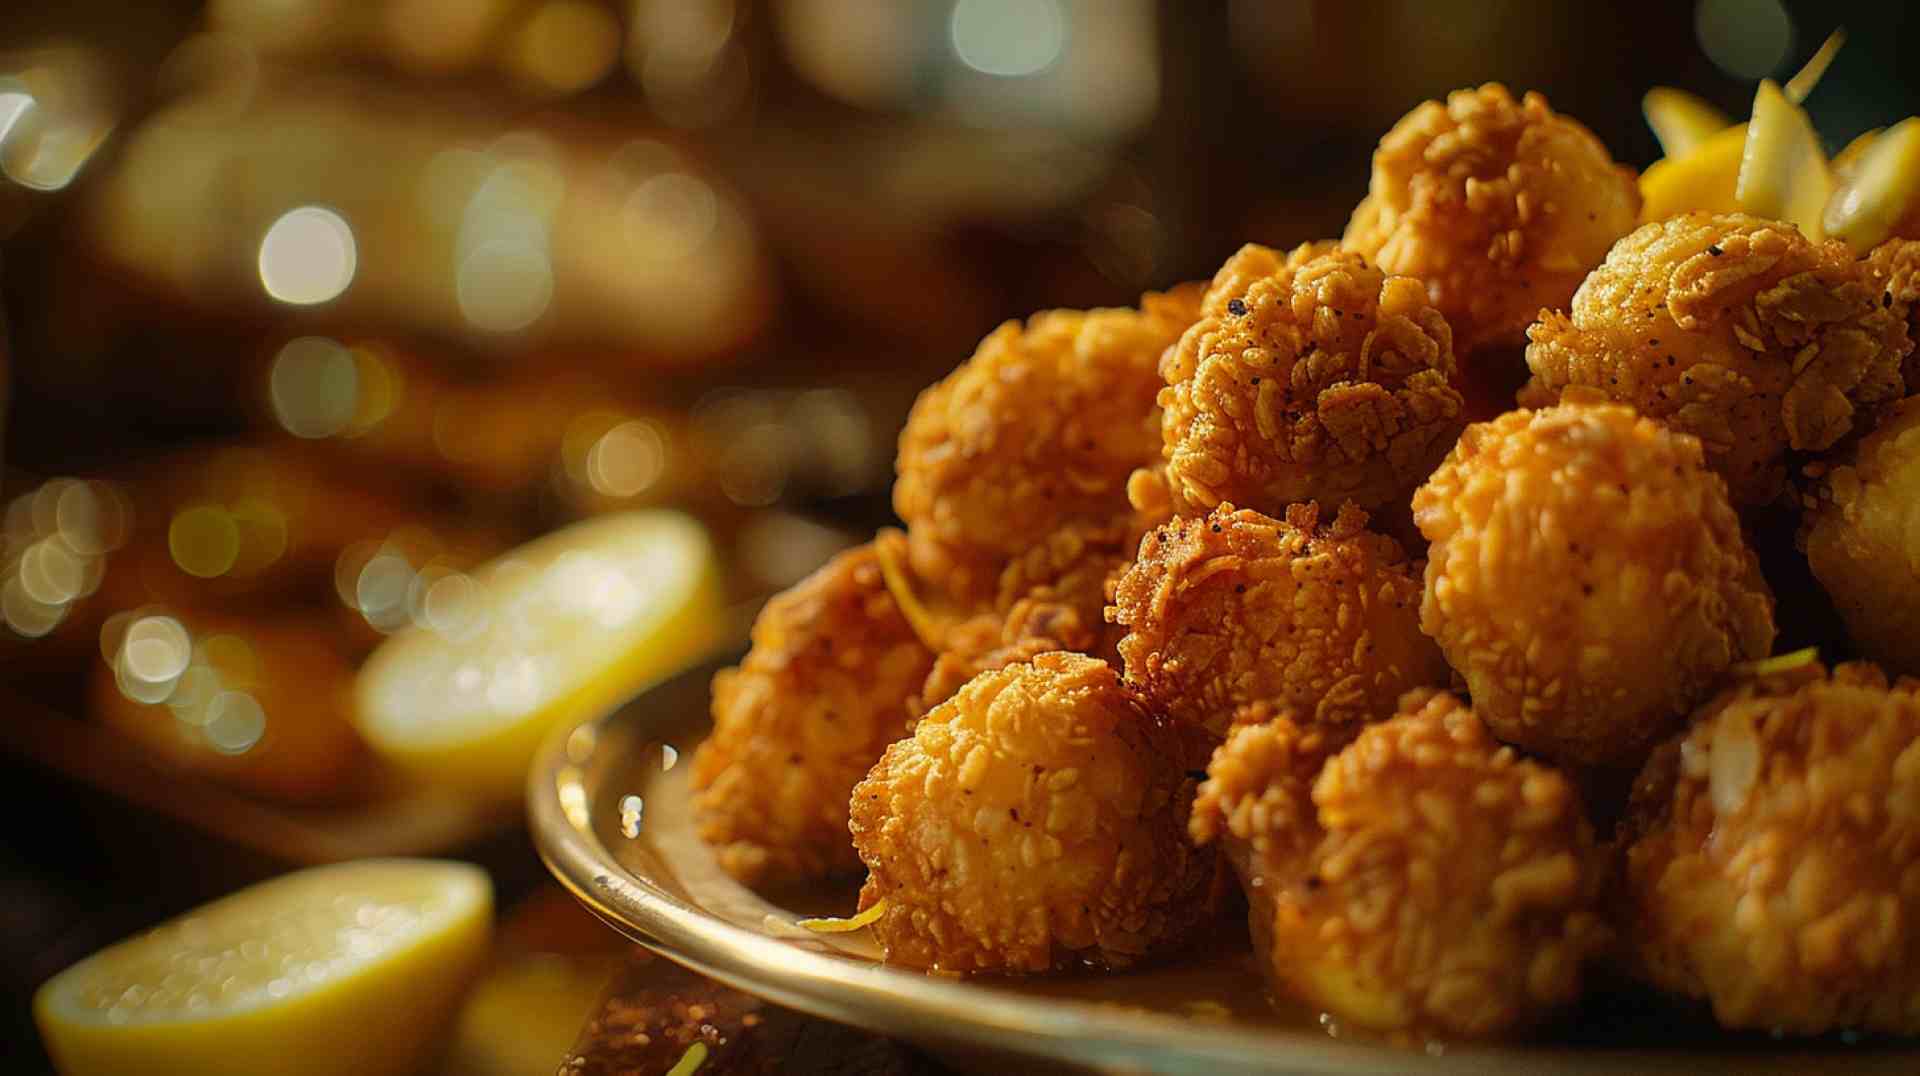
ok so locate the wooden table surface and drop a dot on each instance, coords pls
(657, 1015)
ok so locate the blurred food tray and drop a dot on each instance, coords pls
(392, 819)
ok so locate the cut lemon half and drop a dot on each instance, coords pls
(1681, 120)
(555, 631)
(1702, 178)
(355, 968)
(1783, 171)
(1880, 183)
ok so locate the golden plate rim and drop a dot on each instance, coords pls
(974, 1016)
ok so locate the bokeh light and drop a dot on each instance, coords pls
(235, 722)
(1748, 39)
(627, 460)
(314, 385)
(565, 46)
(308, 256)
(204, 540)
(1008, 38)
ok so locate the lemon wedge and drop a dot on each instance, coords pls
(557, 630)
(1783, 171)
(525, 1014)
(1879, 184)
(355, 968)
(1702, 178)
(1681, 120)
(1847, 162)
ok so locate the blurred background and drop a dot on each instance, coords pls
(310, 307)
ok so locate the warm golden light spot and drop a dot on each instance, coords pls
(26, 615)
(314, 386)
(670, 216)
(204, 540)
(232, 658)
(627, 460)
(262, 530)
(92, 517)
(156, 649)
(50, 573)
(308, 256)
(235, 722)
(504, 285)
(380, 390)
(566, 46)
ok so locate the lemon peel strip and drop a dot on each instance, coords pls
(1791, 661)
(1803, 82)
(690, 1061)
(918, 618)
(831, 925)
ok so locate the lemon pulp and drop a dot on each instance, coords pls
(554, 631)
(355, 968)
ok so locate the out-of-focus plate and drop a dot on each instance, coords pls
(609, 803)
(394, 818)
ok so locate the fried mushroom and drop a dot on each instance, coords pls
(822, 692)
(1500, 206)
(1734, 329)
(1773, 854)
(1039, 429)
(1587, 577)
(1239, 610)
(1424, 881)
(1310, 377)
(1034, 821)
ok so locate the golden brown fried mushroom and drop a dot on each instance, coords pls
(1734, 329)
(1039, 429)
(820, 695)
(1425, 881)
(1894, 268)
(1036, 820)
(1862, 535)
(1588, 578)
(1500, 206)
(1051, 597)
(1773, 855)
(1240, 610)
(1310, 377)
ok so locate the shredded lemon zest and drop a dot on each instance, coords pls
(690, 1061)
(1802, 84)
(918, 618)
(831, 925)
(1779, 663)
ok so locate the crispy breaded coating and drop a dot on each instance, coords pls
(1051, 597)
(1500, 206)
(1040, 428)
(1240, 610)
(1862, 536)
(1773, 854)
(820, 695)
(1310, 377)
(1734, 329)
(1034, 821)
(1425, 881)
(1588, 578)
(1894, 268)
